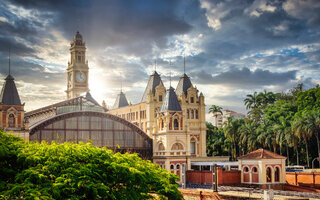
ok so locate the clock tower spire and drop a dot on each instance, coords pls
(77, 71)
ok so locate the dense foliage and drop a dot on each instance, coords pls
(78, 171)
(285, 123)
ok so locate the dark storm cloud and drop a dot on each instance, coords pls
(113, 23)
(245, 77)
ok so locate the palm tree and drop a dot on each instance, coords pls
(312, 125)
(231, 132)
(282, 129)
(252, 101)
(299, 128)
(266, 98)
(215, 110)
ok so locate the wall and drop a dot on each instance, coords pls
(205, 177)
(308, 179)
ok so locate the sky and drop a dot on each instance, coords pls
(231, 47)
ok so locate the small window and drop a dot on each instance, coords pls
(160, 97)
(79, 58)
(191, 100)
(172, 167)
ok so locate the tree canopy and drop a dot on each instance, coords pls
(78, 171)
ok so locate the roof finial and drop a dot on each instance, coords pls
(9, 63)
(184, 64)
(155, 65)
(170, 72)
(121, 86)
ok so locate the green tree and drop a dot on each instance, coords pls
(216, 141)
(231, 130)
(309, 99)
(312, 125)
(299, 128)
(81, 171)
(252, 101)
(215, 110)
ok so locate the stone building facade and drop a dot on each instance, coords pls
(174, 119)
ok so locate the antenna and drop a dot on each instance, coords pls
(184, 64)
(9, 63)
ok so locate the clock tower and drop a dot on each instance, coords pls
(77, 71)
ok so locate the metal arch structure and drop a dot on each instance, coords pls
(144, 152)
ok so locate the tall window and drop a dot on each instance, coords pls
(276, 174)
(192, 147)
(197, 115)
(192, 114)
(11, 121)
(176, 124)
(191, 100)
(268, 173)
(188, 113)
(160, 97)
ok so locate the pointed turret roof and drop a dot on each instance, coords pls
(89, 97)
(153, 82)
(9, 94)
(121, 101)
(183, 85)
(170, 102)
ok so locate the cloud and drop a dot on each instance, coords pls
(246, 78)
(308, 10)
(231, 47)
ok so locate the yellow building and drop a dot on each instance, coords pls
(174, 119)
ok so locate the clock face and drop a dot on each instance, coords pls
(80, 77)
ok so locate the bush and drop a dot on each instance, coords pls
(78, 171)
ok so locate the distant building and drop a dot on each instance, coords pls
(222, 118)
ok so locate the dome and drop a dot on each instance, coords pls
(78, 35)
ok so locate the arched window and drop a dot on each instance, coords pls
(178, 166)
(276, 174)
(188, 113)
(197, 115)
(162, 124)
(268, 174)
(192, 114)
(176, 124)
(172, 167)
(161, 147)
(11, 121)
(254, 170)
(245, 169)
(177, 146)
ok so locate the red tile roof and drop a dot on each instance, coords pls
(262, 154)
